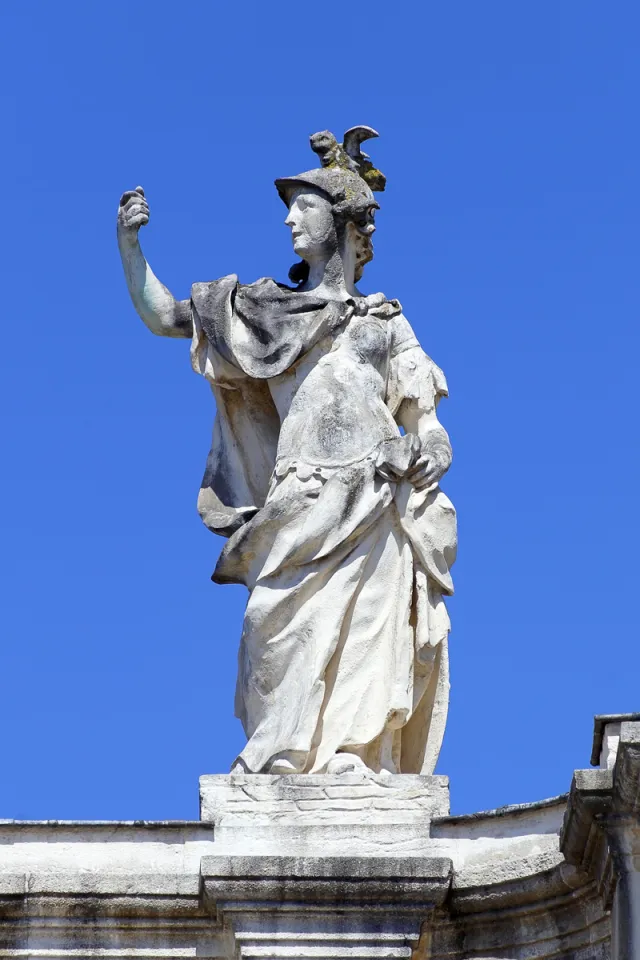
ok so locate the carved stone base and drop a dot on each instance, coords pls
(323, 815)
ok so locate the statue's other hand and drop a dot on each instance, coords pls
(431, 466)
(133, 212)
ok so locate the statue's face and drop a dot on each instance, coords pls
(312, 227)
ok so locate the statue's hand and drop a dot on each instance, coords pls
(431, 465)
(133, 213)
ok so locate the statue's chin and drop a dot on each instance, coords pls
(302, 250)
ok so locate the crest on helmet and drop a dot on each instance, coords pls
(346, 172)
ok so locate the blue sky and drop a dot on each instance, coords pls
(509, 231)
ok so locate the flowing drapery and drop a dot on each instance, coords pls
(345, 633)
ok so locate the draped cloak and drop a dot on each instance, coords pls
(344, 643)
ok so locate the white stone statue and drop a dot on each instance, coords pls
(323, 474)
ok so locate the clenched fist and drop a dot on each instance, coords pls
(133, 213)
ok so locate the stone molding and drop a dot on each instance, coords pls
(323, 815)
(325, 907)
(601, 831)
(306, 868)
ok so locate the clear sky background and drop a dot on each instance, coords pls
(509, 231)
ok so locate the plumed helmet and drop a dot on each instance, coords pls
(348, 178)
(347, 175)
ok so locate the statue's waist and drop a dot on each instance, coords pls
(398, 452)
(334, 434)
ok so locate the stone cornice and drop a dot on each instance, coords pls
(603, 805)
(369, 866)
(405, 880)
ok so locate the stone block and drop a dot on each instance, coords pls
(323, 814)
(325, 908)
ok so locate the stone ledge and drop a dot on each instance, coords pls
(589, 801)
(501, 813)
(320, 879)
(108, 824)
(13, 884)
(257, 798)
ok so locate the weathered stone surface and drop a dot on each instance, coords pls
(324, 474)
(54, 848)
(501, 846)
(349, 879)
(272, 797)
(255, 881)
(606, 737)
(323, 814)
(601, 831)
(325, 906)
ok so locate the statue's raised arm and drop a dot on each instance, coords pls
(161, 312)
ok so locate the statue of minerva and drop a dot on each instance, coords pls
(323, 476)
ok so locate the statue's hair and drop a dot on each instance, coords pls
(364, 254)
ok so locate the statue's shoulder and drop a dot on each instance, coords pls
(412, 362)
(206, 295)
(267, 283)
(266, 288)
(264, 284)
(206, 291)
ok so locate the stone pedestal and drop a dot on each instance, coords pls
(323, 815)
(324, 866)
